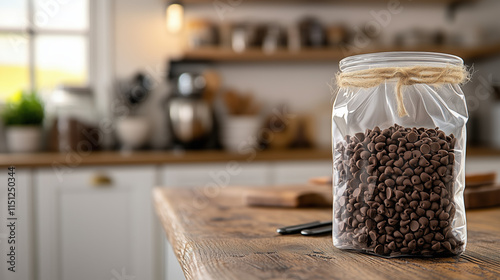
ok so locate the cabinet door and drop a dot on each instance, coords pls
(172, 268)
(95, 223)
(18, 192)
(221, 174)
(299, 172)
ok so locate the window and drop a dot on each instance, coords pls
(43, 43)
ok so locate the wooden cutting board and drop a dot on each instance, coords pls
(480, 179)
(289, 196)
(482, 197)
(476, 194)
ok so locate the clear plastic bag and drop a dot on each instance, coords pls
(398, 179)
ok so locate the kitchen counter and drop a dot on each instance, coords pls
(161, 157)
(221, 239)
(156, 157)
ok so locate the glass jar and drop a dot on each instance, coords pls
(399, 136)
(72, 120)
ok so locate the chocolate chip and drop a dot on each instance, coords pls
(414, 216)
(443, 224)
(381, 239)
(407, 155)
(365, 155)
(436, 246)
(433, 224)
(447, 245)
(360, 136)
(425, 177)
(435, 147)
(434, 197)
(423, 162)
(412, 137)
(412, 244)
(425, 149)
(418, 170)
(408, 172)
(389, 193)
(420, 211)
(414, 225)
(442, 170)
(415, 180)
(413, 204)
(379, 146)
(389, 183)
(423, 221)
(444, 216)
(416, 154)
(380, 138)
(444, 160)
(393, 222)
(392, 148)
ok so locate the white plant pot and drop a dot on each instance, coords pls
(133, 132)
(23, 139)
(240, 132)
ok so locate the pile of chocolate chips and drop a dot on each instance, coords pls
(398, 197)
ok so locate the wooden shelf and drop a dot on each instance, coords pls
(333, 54)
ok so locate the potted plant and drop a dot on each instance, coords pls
(23, 116)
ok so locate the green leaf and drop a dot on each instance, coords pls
(26, 110)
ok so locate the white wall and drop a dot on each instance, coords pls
(140, 38)
(141, 42)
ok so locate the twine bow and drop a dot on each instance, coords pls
(405, 76)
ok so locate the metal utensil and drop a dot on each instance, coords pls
(317, 231)
(300, 228)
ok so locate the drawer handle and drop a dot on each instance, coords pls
(101, 180)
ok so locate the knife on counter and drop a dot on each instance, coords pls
(312, 228)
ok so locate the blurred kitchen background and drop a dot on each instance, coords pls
(115, 66)
(137, 93)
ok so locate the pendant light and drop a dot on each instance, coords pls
(174, 17)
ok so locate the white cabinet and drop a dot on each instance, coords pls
(20, 236)
(299, 172)
(172, 268)
(95, 223)
(230, 173)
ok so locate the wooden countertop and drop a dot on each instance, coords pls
(161, 157)
(157, 157)
(218, 238)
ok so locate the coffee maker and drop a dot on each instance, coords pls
(191, 119)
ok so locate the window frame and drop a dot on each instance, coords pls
(100, 62)
(31, 31)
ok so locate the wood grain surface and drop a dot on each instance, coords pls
(215, 237)
(288, 196)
